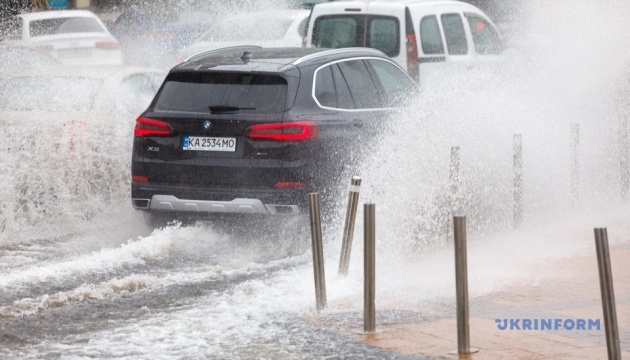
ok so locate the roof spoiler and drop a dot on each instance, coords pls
(223, 51)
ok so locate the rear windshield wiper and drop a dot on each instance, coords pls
(227, 109)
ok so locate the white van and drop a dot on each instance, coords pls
(420, 35)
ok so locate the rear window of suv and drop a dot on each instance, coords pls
(200, 91)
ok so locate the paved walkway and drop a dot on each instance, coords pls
(573, 295)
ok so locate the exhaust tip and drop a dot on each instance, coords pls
(140, 203)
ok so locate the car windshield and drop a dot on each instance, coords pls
(64, 26)
(48, 93)
(239, 29)
(208, 92)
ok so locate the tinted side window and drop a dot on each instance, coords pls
(430, 36)
(485, 37)
(337, 31)
(325, 88)
(343, 92)
(396, 84)
(384, 34)
(364, 93)
(454, 34)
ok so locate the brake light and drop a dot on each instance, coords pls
(353, 9)
(45, 48)
(140, 178)
(290, 184)
(291, 131)
(412, 55)
(149, 127)
(411, 46)
(107, 45)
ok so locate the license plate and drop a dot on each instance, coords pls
(209, 143)
(75, 53)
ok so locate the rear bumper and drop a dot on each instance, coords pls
(150, 197)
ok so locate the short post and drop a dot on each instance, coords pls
(608, 294)
(575, 166)
(369, 263)
(518, 180)
(453, 183)
(318, 252)
(623, 158)
(461, 287)
(348, 228)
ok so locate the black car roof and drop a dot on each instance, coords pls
(250, 58)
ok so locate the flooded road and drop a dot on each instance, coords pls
(81, 276)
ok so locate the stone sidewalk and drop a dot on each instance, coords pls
(572, 295)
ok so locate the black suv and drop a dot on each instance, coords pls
(253, 130)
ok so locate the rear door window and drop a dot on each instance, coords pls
(338, 31)
(362, 88)
(455, 34)
(485, 37)
(430, 36)
(384, 34)
(242, 91)
(344, 97)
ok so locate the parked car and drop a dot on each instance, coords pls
(66, 124)
(248, 130)
(86, 89)
(155, 38)
(16, 58)
(281, 29)
(75, 37)
(422, 36)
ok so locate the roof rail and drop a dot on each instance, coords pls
(336, 51)
(229, 49)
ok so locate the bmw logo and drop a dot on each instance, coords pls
(207, 125)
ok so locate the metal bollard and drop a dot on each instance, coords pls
(348, 228)
(518, 180)
(453, 179)
(575, 166)
(461, 287)
(318, 252)
(623, 159)
(369, 263)
(453, 183)
(608, 294)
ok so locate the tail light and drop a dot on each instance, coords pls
(412, 55)
(290, 184)
(411, 45)
(107, 45)
(140, 178)
(45, 48)
(291, 131)
(149, 127)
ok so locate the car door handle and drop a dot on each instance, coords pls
(357, 123)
